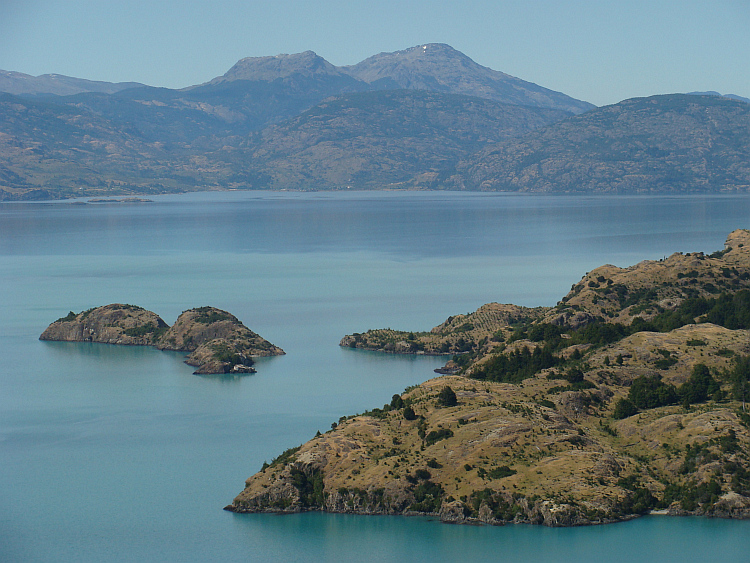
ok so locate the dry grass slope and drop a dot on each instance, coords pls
(552, 447)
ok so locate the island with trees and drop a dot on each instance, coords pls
(217, 341)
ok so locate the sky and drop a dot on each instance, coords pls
(598, 51)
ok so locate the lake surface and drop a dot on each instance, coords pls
(120, 454)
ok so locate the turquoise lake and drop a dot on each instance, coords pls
(120, 454)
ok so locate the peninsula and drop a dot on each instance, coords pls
(627, 397)
(217, 341)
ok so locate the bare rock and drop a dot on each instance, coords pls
(732, 505)
(573, 319)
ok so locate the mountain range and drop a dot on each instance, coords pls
(428, 117)
(19, 83)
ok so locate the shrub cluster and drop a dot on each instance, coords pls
(649, 392)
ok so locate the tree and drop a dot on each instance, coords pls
(699, 387)
(624, 408)
(739, 377)
(447, 397)
(574, 375)
(649, 392)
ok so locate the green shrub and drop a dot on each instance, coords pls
(428, 497)
(501, 472)
(574, 375)
(208, 315)
(422, 474)
(142, 330)
(309, 484)
(516, 366)
(437, 435)
(699, 387)
(67, 318)
(284, 457)
(223, 353)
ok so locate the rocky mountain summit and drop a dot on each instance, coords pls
(217, 341)
(627, 397)
(280, 67)
(437, 67)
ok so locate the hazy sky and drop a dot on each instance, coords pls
(598, 51)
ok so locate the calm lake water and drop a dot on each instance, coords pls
(121, 454)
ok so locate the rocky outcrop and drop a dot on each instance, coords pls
(732, 505)
(217, 341)
(110, 324)
(484, 329)
(196, 327)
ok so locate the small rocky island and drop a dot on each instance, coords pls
(627, 397)
(217, 341)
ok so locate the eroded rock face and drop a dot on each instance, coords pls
(110, 324)
(573, 319)
(217, 340)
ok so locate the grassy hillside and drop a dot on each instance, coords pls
(560, 416)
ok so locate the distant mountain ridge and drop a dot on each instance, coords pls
(434, 67)
(19, 83)
(424, 118)
(670, 143)
(714, 93)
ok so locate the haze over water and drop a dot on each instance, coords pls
(121, 454)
